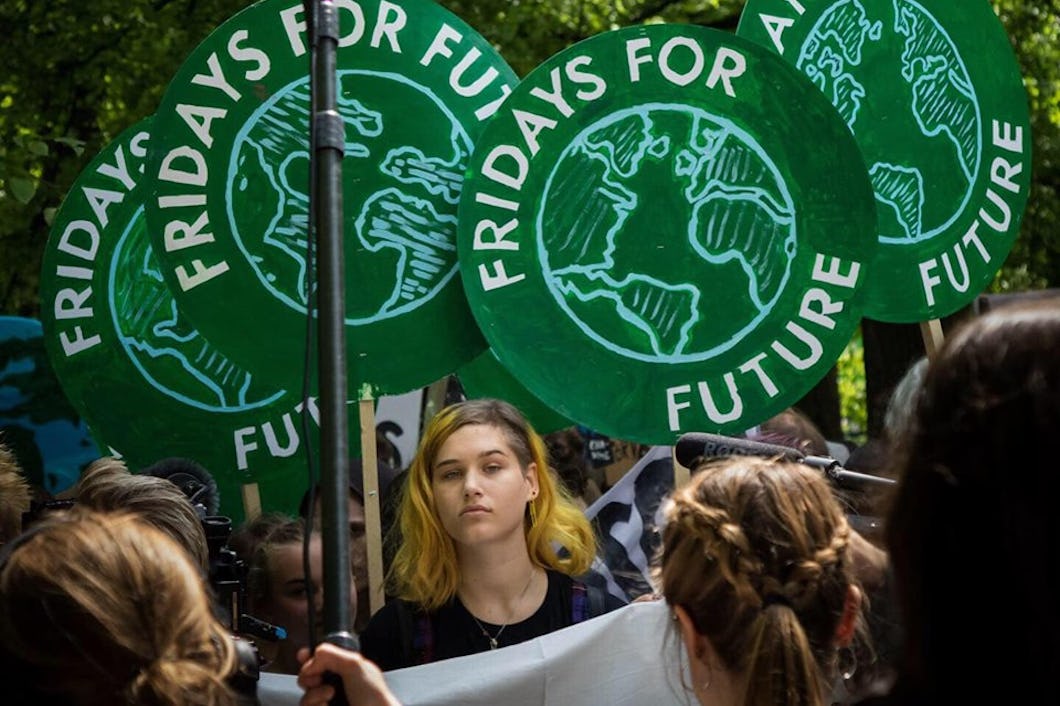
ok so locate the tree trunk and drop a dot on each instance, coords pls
(890, 349)
(821, 404)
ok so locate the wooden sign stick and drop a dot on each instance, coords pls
(251, 501)
(372, 514)
(931, 332)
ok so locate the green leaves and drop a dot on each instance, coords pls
(22, 189)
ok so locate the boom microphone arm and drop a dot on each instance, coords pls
(694, 445)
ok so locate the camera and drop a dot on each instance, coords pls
(227, 573)
(228, 580)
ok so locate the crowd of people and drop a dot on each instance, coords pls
(774, 595)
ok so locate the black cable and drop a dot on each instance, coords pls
(311, 30)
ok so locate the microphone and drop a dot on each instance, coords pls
(193, 479)
(693, 445)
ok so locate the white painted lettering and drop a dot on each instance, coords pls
(490, 108)
(491, 200)
(215, 79)
(357, 32)
(120, 171)
(440, 45)
(820, 316)
(755, 365)
(728, 64)
(200, 274)
(709, 406)
(388, 27)
(179, 235)
(1007, 138)
(578, 78)
(196, 176)
(673, 406)
(813, 345)
(79, 343)
(832, 274)
(530, 126)
(554, 96)
(240, 53)
(295, 29)
(99, 200)
(243, 445)
(674, 76)
(87, 251)
(498, 278)
(491, 171)
(70, 304)
(634, 57)
(272, 442)
(199, 118)
(929, 280)
(497, 242)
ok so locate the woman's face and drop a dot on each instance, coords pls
(288, 604)
(480, 490)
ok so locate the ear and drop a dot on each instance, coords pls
(695, 644)
(848, 622)
(531, 478)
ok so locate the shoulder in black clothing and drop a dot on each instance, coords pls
(400, 635)
(384, 638)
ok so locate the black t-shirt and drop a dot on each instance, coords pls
(390, 637)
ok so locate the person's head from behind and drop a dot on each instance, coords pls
(278, 590)
(792, 428)
(756, 567)
(102, 608)
(15, 495)
(975, 507)
(108, 486)
(480, 477)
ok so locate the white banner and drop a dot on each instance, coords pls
(628, 657)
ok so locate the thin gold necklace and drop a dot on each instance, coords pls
(493, 638)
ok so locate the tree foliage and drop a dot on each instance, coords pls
(74, 74)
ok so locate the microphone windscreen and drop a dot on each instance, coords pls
(193, 479)
(693, 445)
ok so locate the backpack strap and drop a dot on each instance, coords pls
(587, 602)
(579, 594)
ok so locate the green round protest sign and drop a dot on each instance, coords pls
(486, 376)
(654, 242)
(149, 383)
(933, 94)
(230, 183)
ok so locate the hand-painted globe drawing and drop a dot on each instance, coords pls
(709, 179)
(405, 232)
(934, 107)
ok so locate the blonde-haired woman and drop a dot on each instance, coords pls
(103, 609)
(490, 544)
(757, 568)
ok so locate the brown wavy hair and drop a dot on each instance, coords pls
(99, 609)
(757, 552)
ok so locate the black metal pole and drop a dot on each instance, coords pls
(329, 144)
